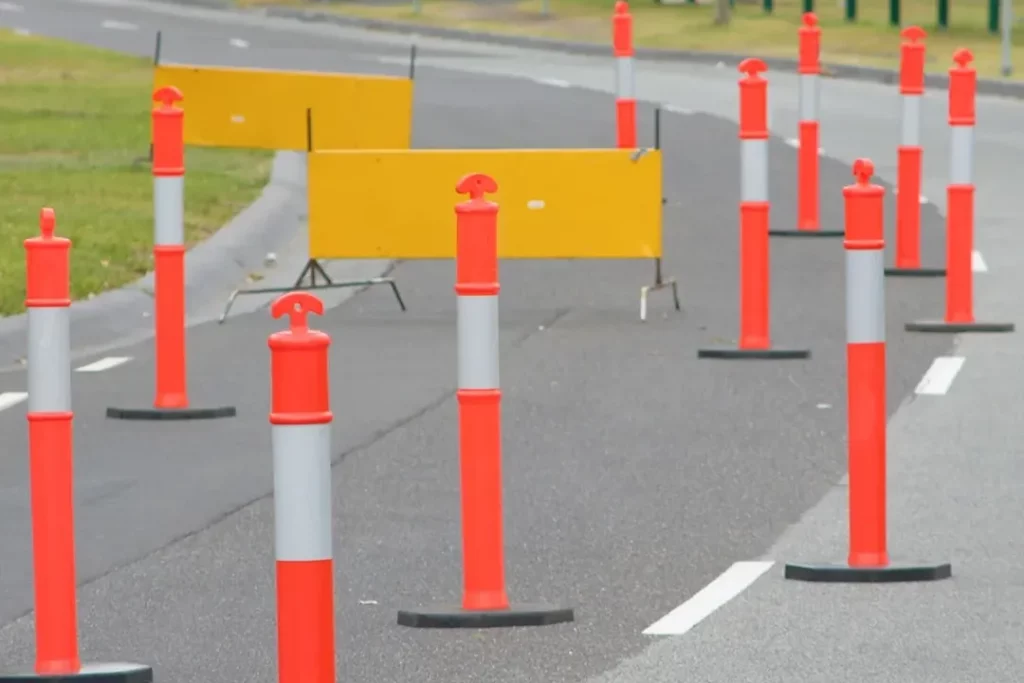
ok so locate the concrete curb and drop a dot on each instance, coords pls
(1012, 89)
(212, 268)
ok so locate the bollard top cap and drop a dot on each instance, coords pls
(297, 306)
(752, 66)
(168, 96)
(863, 169)
(810, 19)
(476, 185)
(913, 34)
(963, 57)
(621, 7)
(47, 223)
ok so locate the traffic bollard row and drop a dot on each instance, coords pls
(755, 271)
(625, 98)
(51, 466)
(171, 393)
(868, 560)
(485, 601)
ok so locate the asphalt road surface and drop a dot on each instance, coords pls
(634, 473)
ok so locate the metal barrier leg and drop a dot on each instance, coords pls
(659, 283)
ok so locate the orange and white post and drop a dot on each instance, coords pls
(485, 601)
(51, 467)
(300, 418)
(868, 559)
(171, 393)
(755, 270)
(625, 86)
(959, 317)
(909, 160)
(808, 192)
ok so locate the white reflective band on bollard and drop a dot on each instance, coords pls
(961, 145)
(49, 359)
(865, 295)
(302, 492)
(911, 127)
(168, 210)
(624, 77)
(753, 170)
(477, 325)
(808, 97)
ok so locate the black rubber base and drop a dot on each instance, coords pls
(956, 328)
(455, 617)
(915, 272)
(754, 354)
(893, 573)
(90, 673)
(806, 233)
(166, 414)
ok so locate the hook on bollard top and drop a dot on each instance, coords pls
(621, 7)
(752, 66)
(912, 34)
(963, 57)
(47, 223)
(476, 185)
(810, 20)
(863, 169)
(167, 96)
(297, 306)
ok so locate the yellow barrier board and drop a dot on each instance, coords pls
(594, 204)
(266, 109)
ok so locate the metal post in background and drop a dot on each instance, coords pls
(1007, 41)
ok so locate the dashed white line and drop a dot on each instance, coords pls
(940, 376)
(104, 364)
(555, 82)
(239, 43)
(11, 398)
(10, 7)
(731, 583)
(795, 144)
(118, 25)
(978, 264)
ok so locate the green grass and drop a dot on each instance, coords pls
(869, 42)
(74, 135)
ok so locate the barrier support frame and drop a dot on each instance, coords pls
(660, 282)
(313, 266)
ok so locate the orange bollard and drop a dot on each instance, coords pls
(625, 102)
(485, 602)
(171, 394)
(960, 209)
(51, 466)
(868, 559)
(909, 159)
(755, 275)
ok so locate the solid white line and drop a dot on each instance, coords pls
(940, 376)
(556, 82)
(118, 25)
(731, 583)
(678, 110)
(239, 43)
(11, 398)
(104, 364)
(978, 264)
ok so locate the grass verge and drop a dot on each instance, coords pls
(75, 124)
(870, 41)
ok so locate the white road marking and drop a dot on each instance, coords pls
(678, 110)
(239, 43)
(22, 32)
(118, 25)
(940, 376)
(978, 264)
(10, 7)
(555, 82)
(104, 364)
(11, 398)
(795, 144)
(731, 583)
(921, 199)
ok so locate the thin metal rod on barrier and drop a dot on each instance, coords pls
(170, 400)
(51, 465)
(313, 267)
(755, 269)
(625, 89)
(660, 282)
(300, 418)
(485, 601)
(868, 559)
(909, 160)
(960, 209)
